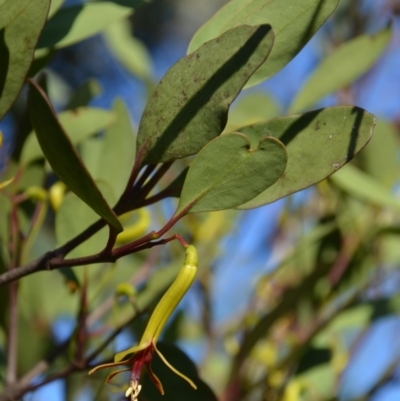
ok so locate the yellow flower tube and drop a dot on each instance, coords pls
(143, 352)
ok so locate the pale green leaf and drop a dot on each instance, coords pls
(380, 158)
(117, 155)
(341, 68)
(251, 108)
(55, 6)
(294, 23)
(365, 187)
(73, 24)
(132, 54)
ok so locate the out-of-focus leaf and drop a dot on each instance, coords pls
(54, 7)
(380, 157)
(363, 186)
(20, 24)
(294, 23)
(175, 188)
(62, 156)
(176, 389)
(73, 24)
(303, 254)
(319, 382)
(72, 218)
(340, 69)
(78, 124)
(31, 175)
(90, 150)
(5, 207)
(318, 144)
(389, 245)
(84, 94)
(51, 300)
(35, 340)
(251, 108)
(118, 151)
(189, 106)
(227, 171)
(132, 54)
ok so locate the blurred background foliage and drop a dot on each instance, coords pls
(295, 301)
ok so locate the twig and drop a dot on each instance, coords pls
(24, 384)
(55, 259)
(12, 332)
(153, 180)
(143, 177)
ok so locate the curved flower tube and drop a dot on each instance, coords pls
(143, 352)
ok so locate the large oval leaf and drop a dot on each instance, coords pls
(189, 106)
(318, 144)
(20, 24)
(227, 171)
(339, 69)
(62, 156)
(294, 23)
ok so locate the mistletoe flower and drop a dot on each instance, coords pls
(143, 353)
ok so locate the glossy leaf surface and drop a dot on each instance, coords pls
(189, 106)
(318, 144)
(227, 172)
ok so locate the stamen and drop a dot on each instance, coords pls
(133, 390)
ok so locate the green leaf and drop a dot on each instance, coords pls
(78, 124)
(363, 186)
(318, 144)
(62, 156)
(54, 7)
(73, 24)
(176, 389)
(84, 94)
(132, 54)
(294, 23)
(340, 69)
(189, 106)
(117, 155)
(227, 172)
(380, 158)
(20, 24)
(250, 109)
(175, 187)
(71, 219)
